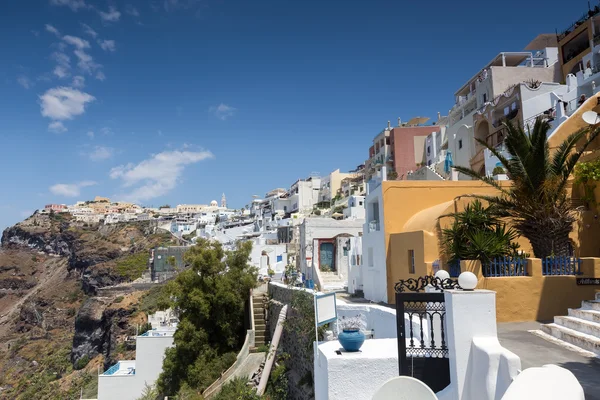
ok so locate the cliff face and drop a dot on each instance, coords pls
(50, 318)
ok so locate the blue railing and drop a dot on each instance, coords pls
(561, 266)
(506, 266)
(113, 369)
(454, 268)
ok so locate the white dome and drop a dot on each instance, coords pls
(214, 203)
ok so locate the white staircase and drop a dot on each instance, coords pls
(580, 328)
(332, 282)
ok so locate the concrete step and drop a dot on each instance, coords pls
(582, 340)
(580, 325)
(259, 327)
(588, 315)
(591, 305)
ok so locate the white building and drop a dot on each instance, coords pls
(304, 194)
(494, 79)
(127, 379)
(374, 270)
(88, 218)
(114, 219)
(324, 250)
(356, 208)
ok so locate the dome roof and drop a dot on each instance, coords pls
(214, 203)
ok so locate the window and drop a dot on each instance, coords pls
(411, 261)
(460, 143)
(506, 111)
(360, 203)
(358, 259)
(387, 140)
(428, 150)
(485, 97)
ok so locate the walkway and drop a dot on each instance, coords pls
(536, 352)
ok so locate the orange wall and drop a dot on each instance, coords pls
(536, 297)
(401, 201)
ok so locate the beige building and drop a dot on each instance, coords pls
(190, 208)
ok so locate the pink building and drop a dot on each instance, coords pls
(55, 207)
(407, 144)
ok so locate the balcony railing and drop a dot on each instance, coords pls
(113, 369)
(374, 226)
(577, 23)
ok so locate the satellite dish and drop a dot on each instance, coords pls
(404, 388)
(591, 117)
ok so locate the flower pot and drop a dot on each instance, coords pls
(351, 340)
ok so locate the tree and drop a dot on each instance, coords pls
(537, 202)
(478, 233)
(210, 297)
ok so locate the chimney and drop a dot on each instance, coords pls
(389, 125)
(439, 115)
(399, 122)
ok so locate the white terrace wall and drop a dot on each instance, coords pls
(298, 346)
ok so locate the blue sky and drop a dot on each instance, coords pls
(177, 101)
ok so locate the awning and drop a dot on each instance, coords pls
(418, 121)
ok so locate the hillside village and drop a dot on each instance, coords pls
(395, 243)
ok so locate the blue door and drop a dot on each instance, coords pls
(326, 257)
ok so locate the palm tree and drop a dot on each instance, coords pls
(537, 203)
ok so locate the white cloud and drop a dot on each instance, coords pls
(70, 189)
(89, 31)
(35, 33)
(90, 134)
(74, 5)
(157, 175)
(57, 127)
(222, 111)
(24, 81)
(60, 71)
(100, 153)
(77, 42)
(112, 15)
(52, 30)
(63, 67)
(86, 63)
(100, 76)
(78, 82)
(62, 103)
(107, 45)
(131, 10)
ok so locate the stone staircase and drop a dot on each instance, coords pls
(581, 327)
(332, 282)
(259, 301)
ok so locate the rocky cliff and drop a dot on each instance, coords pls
(52, 323)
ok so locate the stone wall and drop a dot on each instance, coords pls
(298, 344)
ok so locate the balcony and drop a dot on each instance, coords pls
(374, 226)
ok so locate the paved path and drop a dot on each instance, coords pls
(535, 352)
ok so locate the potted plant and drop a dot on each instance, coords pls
(352, 337)
(499, 174)
(270, 272)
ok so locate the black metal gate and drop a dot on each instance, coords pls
(421, 322)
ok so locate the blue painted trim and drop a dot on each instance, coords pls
(334, 305)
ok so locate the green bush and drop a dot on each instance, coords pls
(118, 299)
(145, 328)
(498, 171)
(237, 389)
(278, 383)
(82, 362)
(133, 266)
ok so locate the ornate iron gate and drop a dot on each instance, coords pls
(421, 322)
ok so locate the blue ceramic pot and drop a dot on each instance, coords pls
(351, 340)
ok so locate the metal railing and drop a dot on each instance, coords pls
(561, 266)
(576, 24)
(506, 266)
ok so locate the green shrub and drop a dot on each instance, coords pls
(145, 328)
(118, 299)
(82, 362)
(237, 389)
(278, 383)
(498, 171)
(133, 266)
